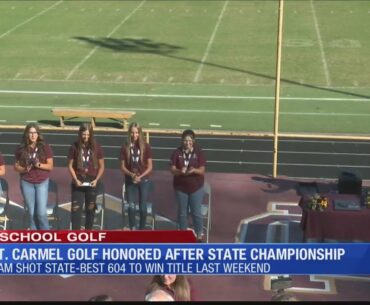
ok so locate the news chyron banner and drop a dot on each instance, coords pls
(169, 252)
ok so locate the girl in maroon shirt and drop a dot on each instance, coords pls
(86, 166)
(34, 161)
(136, 163)
(188, 168)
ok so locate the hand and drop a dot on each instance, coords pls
(93, 183)
(191, 170)
(183, 170)
(35, 162)
(137, 179)
(78, 182)
(28, 168)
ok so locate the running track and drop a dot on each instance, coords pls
(299, 158)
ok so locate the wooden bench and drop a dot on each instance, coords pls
(93, 114)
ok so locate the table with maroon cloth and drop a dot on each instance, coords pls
(335, 225)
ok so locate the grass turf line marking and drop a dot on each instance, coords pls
(95, 48)
(272, 84)
(321, 46)
(30, 19)
(197, 75)
(207, 110)
(220, 97)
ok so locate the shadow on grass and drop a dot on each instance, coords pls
(144, 45)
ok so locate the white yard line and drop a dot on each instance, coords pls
(173, 96)
(321, 46)
(45, 80)
(97, 47)
(330, 114)
(197, 75)
(30, 19)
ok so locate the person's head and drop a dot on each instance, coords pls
(101, 298)
(188, 139)
(179, 284)
(85, 133)
(135, 132)
(168, 279)
(32, 134)
(159, 295)
(135, 136)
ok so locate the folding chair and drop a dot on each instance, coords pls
(206, 209)
(100, 207)
(4, 203)
(150, 218)
(52, 208)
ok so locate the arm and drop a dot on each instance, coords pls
(197, 171)
(73, 173)
(48, 166)
(175, 171)
(100, 172)
(125, 170)
(20, 169)
(146, 172)
(2, 170)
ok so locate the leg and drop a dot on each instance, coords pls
(132, 190)
(42, 190)
(29, 195)
(78, 197)
(144, 188)
(195, 201)
(182, 209)
(90, 206)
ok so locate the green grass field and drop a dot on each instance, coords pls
(199, 64)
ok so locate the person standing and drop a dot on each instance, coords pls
(34, 161)
(187, 165)
(86, 166)
(136, 164)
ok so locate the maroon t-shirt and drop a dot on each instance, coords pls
(87, 160)
(35, 175)
(2, 162)
(196, 159)
(134, 163)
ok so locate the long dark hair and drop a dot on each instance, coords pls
(91, 144)
(25, 144)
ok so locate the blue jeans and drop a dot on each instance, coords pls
(194, 201)
(36, 199)
(137, 192)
